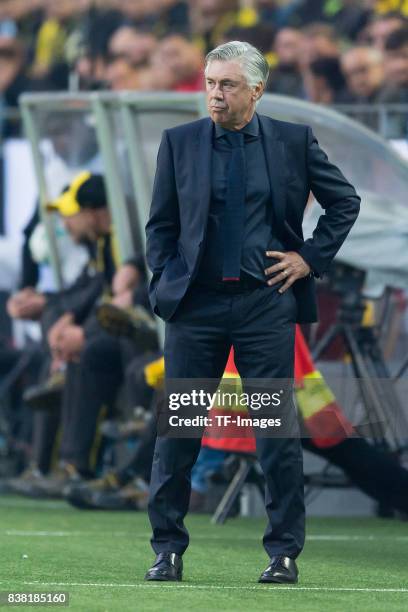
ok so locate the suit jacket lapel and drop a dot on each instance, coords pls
(276, 163)
(203, 159)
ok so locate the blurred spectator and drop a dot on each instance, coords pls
(141, 14)
(276, 12)
(128, 58)
(318, 40)
(306, 12)
(87, 218)
(396, 66)
(127, 41)
(326, 83)
(97, 29)
(25, 16)
(53, 33)
(157, 16)
(119, 66)
(286, 77)
(381, 27)
(174, 17)
(90, 71)
(348, 17)
(363, 68)
(98, 26)
(260, 35)
(122, 75)
(182, 62)
(210, 19)
(13, 80)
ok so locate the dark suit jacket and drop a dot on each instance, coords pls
(181, 197)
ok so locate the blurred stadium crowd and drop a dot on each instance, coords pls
(326, 51)
(59, 431)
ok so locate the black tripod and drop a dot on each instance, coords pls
(377, 388)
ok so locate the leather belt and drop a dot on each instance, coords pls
(249, 283)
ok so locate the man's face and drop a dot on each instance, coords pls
(364, 73)
(127, 43)
(81, 226)
(287, 46)
(120, 74)
(313, 47)
(396, 66)
(230, 100)
(180, 57)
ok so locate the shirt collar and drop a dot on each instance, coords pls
(251, 128)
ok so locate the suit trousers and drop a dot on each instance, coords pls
(260, 325)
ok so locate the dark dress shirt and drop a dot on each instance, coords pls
(258, 231)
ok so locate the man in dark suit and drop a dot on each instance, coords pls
(229, 194)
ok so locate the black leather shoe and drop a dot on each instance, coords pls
(168, 566)
(281, 569)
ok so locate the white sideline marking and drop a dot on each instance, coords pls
(312, 537)
(34, 505)
(47, 534)
(214, 586)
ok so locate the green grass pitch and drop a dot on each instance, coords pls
(100, 558)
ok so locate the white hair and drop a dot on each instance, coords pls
(254, 64)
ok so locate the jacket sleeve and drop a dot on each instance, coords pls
(163, 227)
(340, 202)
